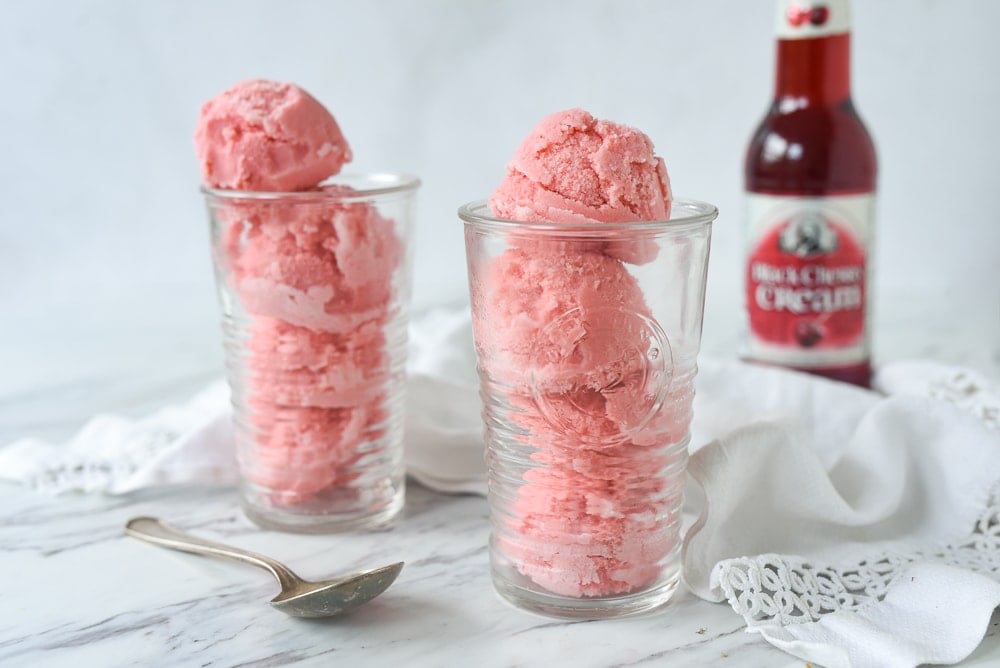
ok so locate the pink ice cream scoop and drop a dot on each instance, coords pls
(579, 529)
(325, 265)
(268, 136)
(562, 321)
(304, 367)
(574, 168)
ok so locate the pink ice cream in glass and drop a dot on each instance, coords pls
(587, 404)
(310, 275)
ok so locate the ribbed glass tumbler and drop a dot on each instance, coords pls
(314, 289)
(587, 338)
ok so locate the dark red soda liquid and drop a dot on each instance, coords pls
(812, 142)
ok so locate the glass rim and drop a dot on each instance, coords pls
(696, 214)
(381, 183)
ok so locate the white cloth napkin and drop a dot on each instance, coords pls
(193, 442)
(847, 527)
(444, 430)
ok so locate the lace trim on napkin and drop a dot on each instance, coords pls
(971, 393)
(116, 454)
(772, 589)
(95, 473)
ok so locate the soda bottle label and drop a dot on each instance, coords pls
(807, 279)
(808, 19)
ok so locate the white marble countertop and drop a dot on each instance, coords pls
(78, 592)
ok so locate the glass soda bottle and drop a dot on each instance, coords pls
(810, 176)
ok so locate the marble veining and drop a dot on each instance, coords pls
(89, 595)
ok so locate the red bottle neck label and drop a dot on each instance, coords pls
(807, 277)
(808, 19)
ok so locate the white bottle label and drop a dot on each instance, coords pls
(807, 279)
(807, 19)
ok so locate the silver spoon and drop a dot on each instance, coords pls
(298, 597)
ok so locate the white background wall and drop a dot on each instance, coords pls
(102, 230)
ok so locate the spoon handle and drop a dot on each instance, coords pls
(158, 532)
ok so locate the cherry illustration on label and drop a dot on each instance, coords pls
(819, 15)
(808, 333)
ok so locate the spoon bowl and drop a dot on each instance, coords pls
(298, 597)
(336, 596)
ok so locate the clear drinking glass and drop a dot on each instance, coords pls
(314, 288)
(587, 338)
